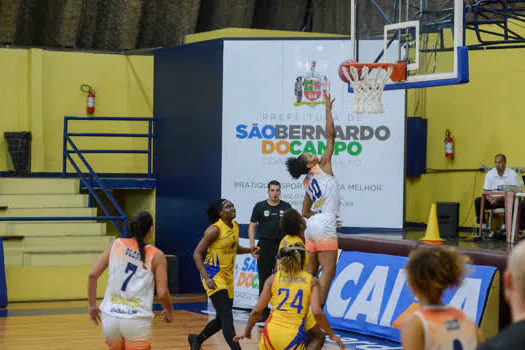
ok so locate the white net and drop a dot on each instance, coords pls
(368, 88)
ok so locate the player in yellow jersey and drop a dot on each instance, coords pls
(221, 244)
(434, 326)
(291, 290)
(293, 226)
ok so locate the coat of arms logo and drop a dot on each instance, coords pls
(309, 87)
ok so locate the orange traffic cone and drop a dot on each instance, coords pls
(432, 234)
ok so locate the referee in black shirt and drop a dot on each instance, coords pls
(266, 216)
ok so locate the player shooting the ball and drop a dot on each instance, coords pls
(321, 204)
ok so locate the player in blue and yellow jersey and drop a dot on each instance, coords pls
(291, 290)
(293, 226)
(221, 245)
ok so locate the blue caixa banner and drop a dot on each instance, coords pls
(369, 294)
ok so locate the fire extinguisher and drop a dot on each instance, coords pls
(90, 108)
(449, 145)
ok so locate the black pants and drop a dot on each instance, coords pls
(223, 320)
(499, 204)
(266, 264)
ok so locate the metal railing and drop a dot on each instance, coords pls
(91, 178)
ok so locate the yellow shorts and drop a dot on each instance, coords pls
(220, 285)
(276, 337)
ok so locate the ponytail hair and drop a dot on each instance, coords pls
(139, 225)
(214, 210)
(291, 258)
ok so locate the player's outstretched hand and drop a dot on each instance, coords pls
(94, 314)
(255, 252)
(338, 340)
(166, 316)
(328, 99)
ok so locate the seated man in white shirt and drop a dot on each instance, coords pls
(498, 176)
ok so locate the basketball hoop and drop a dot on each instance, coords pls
(368, 81)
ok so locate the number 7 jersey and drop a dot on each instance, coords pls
(129, 292)
(324, 191)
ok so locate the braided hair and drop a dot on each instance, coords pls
(214, 209)
(291, 258)
(139, 225)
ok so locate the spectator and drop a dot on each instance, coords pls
(500, 175)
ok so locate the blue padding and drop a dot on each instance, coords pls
(416, 146)
(3, 285)
(188, 149)
(462, 78)
(369, 294)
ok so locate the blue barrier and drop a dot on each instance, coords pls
(3, 284)
(369, 294)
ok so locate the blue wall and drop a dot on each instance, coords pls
(188, 148)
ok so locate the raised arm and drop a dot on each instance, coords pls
(326, 158)
(210, 235)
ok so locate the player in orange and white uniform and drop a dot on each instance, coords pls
(320, 205)
(430, 271)
(135, 268)
(291, 290)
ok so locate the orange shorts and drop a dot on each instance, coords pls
(320, 234)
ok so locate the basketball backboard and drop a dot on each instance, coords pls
(426, 34)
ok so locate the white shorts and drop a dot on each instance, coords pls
(321, 233)
(128, 334)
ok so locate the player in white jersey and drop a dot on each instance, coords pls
(431, 325)
(135, 268)
(320, 205)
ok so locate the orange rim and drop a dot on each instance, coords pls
(399, 69)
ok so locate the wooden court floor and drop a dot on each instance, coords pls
(66, 325)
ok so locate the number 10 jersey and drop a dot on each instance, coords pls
(131, 283)
(324, 191)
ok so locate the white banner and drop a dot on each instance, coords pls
(273, 109)
(245, 279)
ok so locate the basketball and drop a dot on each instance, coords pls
(340, 71)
